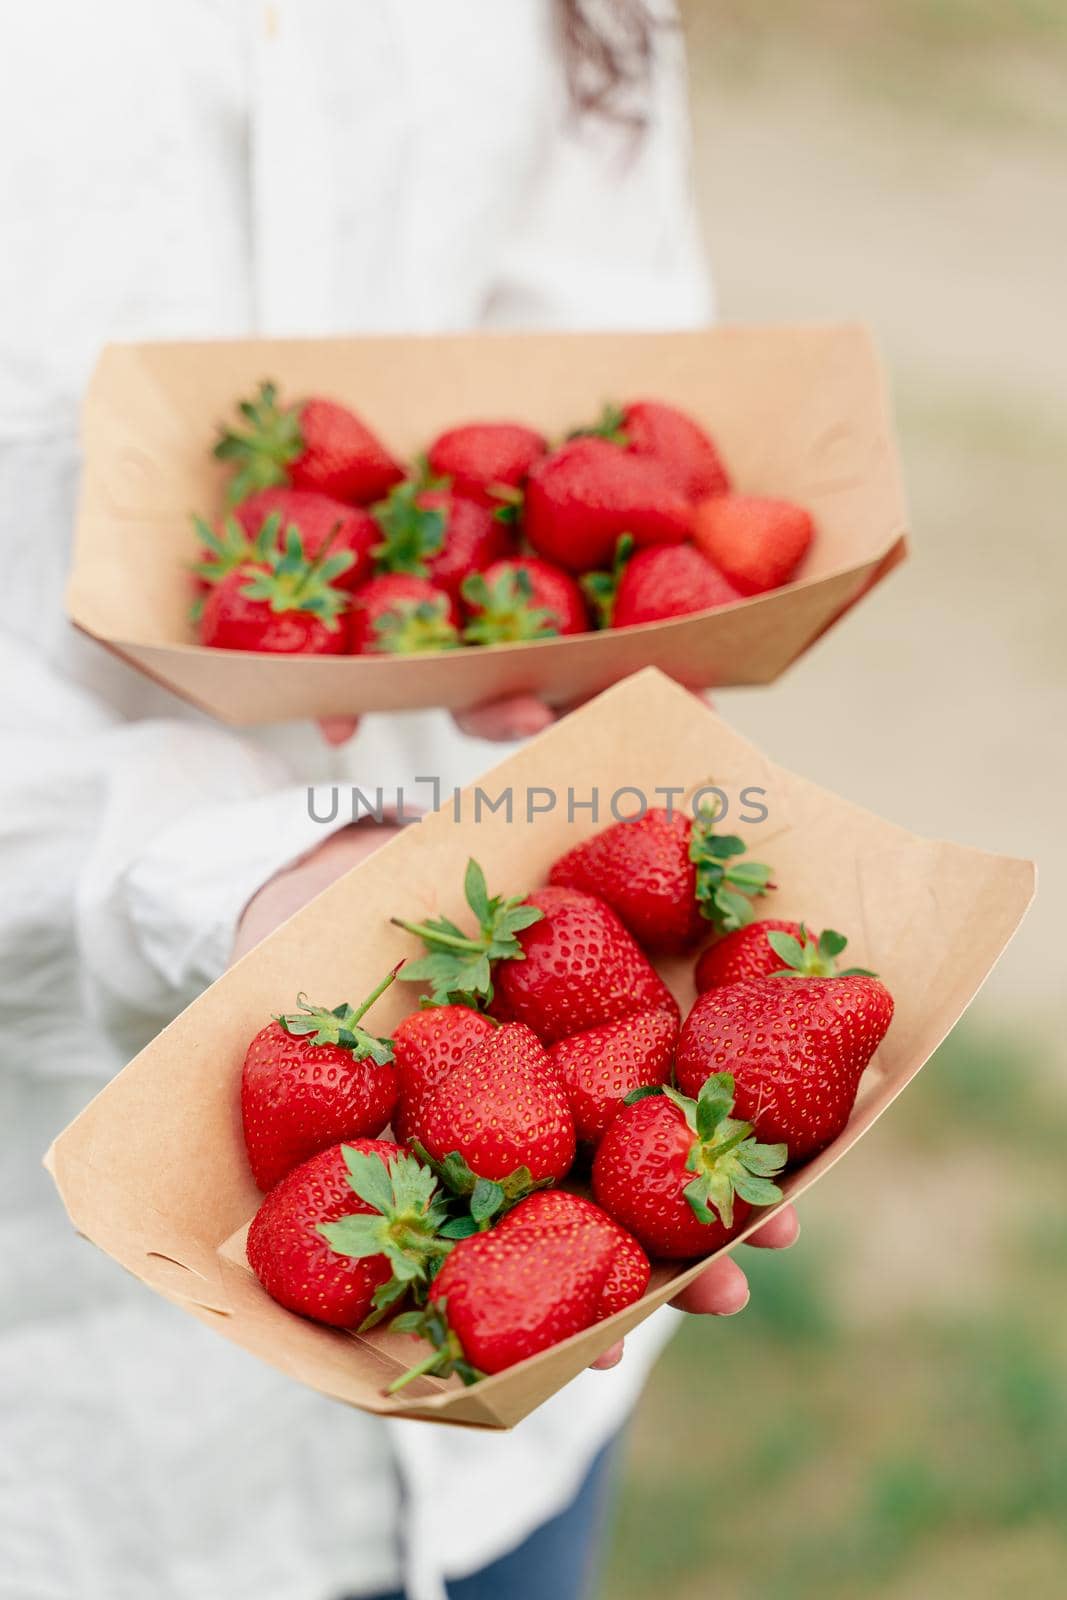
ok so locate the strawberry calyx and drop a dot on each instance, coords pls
(510, 503)
(601, 588)
(488, 1198)
(289, 581)
(810, 957)
(231, 547)
(447, 1357)
(725, 886)
(457, 966)
(505, 609)
(341, 1025)
(611, 426)
(410, 626)
(264, 451)
(725, 1157)
(411, 533)
(408, 1213)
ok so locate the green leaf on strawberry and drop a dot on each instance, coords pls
(725, 885)
(487, 1198)
(611, 426)
(412, 533)
(447, 1355)
(810, 957)
(408, 1214)
(725, 1157)
(505, 610)
(600, 588)
(341, 1025)
(458, 966)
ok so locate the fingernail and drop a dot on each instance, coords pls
(737, 1309)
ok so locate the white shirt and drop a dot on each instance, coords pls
(211, 167)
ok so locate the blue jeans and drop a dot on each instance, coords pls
(561, 1558)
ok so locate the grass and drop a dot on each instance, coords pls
(800, 1451)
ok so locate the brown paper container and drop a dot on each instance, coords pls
(154, 1170)
(799, 412)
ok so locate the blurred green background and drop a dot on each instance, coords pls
(889, 1416)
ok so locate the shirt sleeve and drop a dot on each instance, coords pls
(131, 849)
(607, 235)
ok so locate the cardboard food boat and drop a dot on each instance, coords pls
(799, 412)
(154, 1170)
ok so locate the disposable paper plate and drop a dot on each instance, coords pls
(154, 1170)
(799, 412)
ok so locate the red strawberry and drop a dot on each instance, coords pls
(345, 1235)
(757, 544)
(553, 1267)
(283, 603)
(320, 522)
(310, 1079)
(522, 599)
(580, 499)
(599, 1067)
(765, 949)
(459, 966)
(426, 1047)
(397, 614)
(433, 534)
(682, 1174)
(669, 581)
(581, 969)
(481, 456)
(502, 1110)
(797, 1048)
(316, 444)
(670, 437)
(664, 874)
(643, 871)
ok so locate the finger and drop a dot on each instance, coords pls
(779, 1233)
(720, 1291)
(338, 730)
(609, 1359)
(517, 717)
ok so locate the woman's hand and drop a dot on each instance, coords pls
(519, 716)
(722, 1289)
(294, 886)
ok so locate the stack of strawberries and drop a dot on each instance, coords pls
(495, 536)
(549, 1060)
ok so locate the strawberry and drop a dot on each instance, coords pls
(668, 436)
(769, 948)
(682, 1174)
(437, 535)
(344, 1236)
(580, 499)
(320, 521)
(500, 1114)
(580, 969)
(522, 599)
(459, 966)
(797, 1048)
(553, 1267)
(600, 1067)
(757, 544)
(664, 874)
(669, 581)
(482, 456)
(397, 614)
(316, 444)
(282, 603)
(426, 1047)
(311, 1078)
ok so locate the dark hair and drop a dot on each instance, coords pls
(607, 53)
